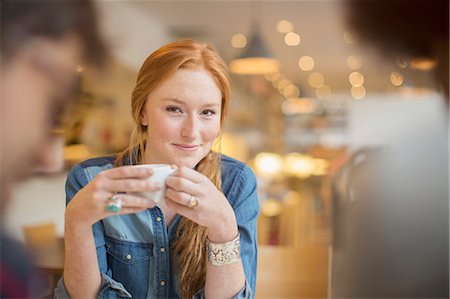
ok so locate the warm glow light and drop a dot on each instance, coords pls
(354, 62)
(415, 92)
(299, 165)
(292, 39)
(272, 77)
(233, 145)
(284, 26)
(291, 91)
(238, 41)
(300, 105)
(396, 79)
(271, 207)
(423, 64)
(254, 66)
(283, 83)
(358, 92)
(348, 38)
(79, 68)
(268, 164)
(323, 92)
(316, 80)
(306, 63)
(356, 79)
(292, 198)
(279, 78)
(321, 167)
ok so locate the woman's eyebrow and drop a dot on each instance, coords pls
(181, 102)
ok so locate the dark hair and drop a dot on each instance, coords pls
(23, 20)
(400, 27)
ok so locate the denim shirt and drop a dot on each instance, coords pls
(133, 250)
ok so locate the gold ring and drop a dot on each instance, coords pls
(192, 202)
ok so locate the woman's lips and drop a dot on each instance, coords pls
(186, 147)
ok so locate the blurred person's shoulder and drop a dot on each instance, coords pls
(15, 268)
(18, 277)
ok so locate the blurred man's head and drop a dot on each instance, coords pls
(42, 43)
(415, 29)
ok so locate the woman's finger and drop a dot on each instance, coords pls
(182, 209)
(179, 183)
(181, 198)
(130, 185)
(132, 201)
(189, 173)
(126, 203)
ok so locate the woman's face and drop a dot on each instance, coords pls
(183, 118)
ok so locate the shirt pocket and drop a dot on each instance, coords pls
(129, 263)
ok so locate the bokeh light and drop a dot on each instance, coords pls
(238, 41)
(306, 63)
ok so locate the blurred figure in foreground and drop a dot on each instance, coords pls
(42, 43)
(391, 201)
(411, 29)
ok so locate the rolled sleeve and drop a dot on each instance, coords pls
(109, 288)
(246, 208)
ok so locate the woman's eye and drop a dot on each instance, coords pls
(173, 109)
(209, 112)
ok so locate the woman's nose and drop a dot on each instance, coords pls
(190, 127)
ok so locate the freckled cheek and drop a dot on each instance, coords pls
(159, 134)
(210, 132)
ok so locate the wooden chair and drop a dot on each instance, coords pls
(47, 250)
(41, 235)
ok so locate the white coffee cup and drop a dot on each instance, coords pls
(160, 174)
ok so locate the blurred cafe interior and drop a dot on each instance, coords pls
(350, 147)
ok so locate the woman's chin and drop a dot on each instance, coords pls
(190, 163)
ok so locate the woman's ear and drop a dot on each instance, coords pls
(144, 121)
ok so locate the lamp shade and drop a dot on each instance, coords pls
(256, 59)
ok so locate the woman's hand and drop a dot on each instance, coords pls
(213, 209)
(89, 205)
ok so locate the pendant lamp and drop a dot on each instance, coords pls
(256, 58)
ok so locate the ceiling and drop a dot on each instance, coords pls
(320, 24)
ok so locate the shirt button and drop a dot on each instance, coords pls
(128, 256)
(162, 249)
(162, 283)
(158, 219)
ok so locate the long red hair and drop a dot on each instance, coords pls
(190, 242)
